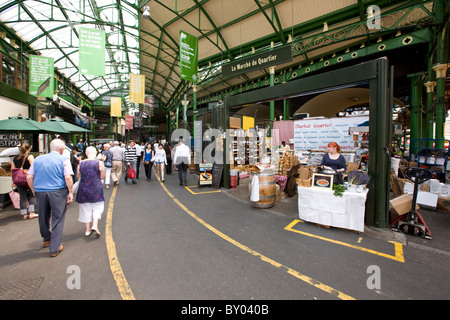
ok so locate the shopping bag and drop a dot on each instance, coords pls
(131, 173)
(75, 187)
(15, 199)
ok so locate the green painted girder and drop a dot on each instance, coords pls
(279, 30)
(313, 39)
(298, 71)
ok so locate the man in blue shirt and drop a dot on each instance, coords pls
(50, 179)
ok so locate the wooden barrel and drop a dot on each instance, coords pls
(267, 189)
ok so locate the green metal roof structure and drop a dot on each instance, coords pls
(322, 34)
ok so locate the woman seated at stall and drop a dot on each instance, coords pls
(334, 160)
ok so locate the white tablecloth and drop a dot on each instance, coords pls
(323, 207)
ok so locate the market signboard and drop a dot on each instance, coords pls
(41, 76)
(137, 88)
(129, 122)
(315, 134)
(188, 57)
(258, 61)
(116, 107)
(92, 51)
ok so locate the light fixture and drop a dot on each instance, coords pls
(325, 27)
(146, 13)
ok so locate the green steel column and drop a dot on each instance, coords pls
(440, 68)
(383, 137)
(286, 109)
(272, 103)
(226, 141)
(194, 107)
(416, 111)
(429, 115)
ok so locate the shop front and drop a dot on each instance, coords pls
(324, 197)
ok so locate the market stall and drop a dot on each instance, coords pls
(322, 206)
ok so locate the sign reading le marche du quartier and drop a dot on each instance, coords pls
(258, 61)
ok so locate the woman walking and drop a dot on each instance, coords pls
(24, 160)
(149, 154)
(168, 150)
(160, 160)
(90, 192)
(107, 160)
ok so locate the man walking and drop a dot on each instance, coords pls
(182, 160)
(50, 179)
(131, 159)
(117, 162)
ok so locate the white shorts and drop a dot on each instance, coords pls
(89, 211)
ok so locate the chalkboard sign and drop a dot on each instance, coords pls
(216, 175)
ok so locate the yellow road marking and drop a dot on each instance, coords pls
(290, 271)
(116, 269)
(398, 256)
(203, 192)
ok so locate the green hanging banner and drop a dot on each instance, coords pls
(92, 52)
(188, 57)
(41, 76)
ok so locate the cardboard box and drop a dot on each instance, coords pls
(304, 182)
(401, 204)
(427, 200)
(443, 204)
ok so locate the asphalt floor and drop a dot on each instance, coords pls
(166, 242)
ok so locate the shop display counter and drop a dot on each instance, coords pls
(323, 207)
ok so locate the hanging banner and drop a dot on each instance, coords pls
(137, 88)
(188, 57)
(116, 107)
(129, 122)
(92, 51)
(149, 105)
(315, 134)
(41, 76)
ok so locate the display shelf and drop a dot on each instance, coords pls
(435, 159)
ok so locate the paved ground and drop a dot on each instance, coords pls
(177, 243)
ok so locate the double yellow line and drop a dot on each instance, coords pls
(125, 290)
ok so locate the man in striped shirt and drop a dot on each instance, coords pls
(131, 159)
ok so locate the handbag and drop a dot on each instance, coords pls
(19, 176)
(131, 174)
(75, 187)
(146, 162)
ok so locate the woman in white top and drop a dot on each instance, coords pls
(161, 162)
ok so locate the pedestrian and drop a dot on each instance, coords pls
(131, 159)
(50, 180)
(118, 158)
(161, 162)
(168, 151)
(24, 161)
(107, 160)
(182, 160)
(80, 145)
(149, 153)
(90, 195)
(138, 158)
(75, 158)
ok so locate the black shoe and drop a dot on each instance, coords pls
(134, 182)
(185, 182)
